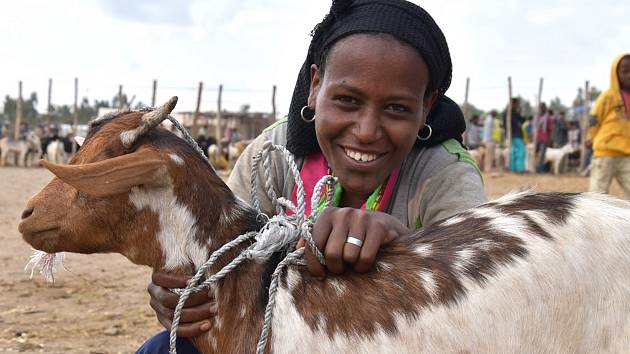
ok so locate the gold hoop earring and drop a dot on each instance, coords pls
(304, 118)
(428, 136)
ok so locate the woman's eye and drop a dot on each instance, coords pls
(398, 108)
(346, 99)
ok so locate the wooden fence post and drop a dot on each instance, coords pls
(273, 104)
(18, 113)
(120, 102)
(153, 94)
(584, 126)
(49, 106)
(508, 125)
(466, 119)
(218, 118)
(532, 156)
(193, 129)
(76, 113)
(75, 123)
(537, 112)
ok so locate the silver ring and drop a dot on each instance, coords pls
(354, 241)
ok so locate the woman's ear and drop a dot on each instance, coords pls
(428, 102)
(314, 89)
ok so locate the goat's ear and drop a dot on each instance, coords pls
(116, 175)
(79, 140)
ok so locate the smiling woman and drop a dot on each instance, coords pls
(369, 108)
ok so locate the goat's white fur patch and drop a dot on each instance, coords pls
(177, 227)
(129, 136)
(484, 245)
(243, 312)
(485, 212)
(511, 197)
(212, 339)
(178, 160)
(340, 287)
(383, 266)
(293, 278)
(429, 284)
(463, 260)
(424, 250)
(454, 220)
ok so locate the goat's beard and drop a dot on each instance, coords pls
(46, 263)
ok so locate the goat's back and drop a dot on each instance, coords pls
(529, 273)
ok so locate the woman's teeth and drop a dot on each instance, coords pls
(359, 156)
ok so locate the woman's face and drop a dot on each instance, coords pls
(369, 106)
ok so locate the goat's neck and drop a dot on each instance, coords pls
(242, 295)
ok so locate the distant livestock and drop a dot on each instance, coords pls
(55, 152)
(558, 158)
(24, 151)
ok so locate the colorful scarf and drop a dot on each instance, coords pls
(315, 167)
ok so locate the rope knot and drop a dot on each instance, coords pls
(277, 233)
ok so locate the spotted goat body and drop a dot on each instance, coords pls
(527, 273)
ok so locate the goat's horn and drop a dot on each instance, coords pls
(149, 121)
(155, 117)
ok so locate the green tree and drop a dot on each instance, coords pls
(578, 101)
(29, 110)
(65, 113)
(472, 110)
(557, 106)
(125, 101)
(139, 105)
(527, 109)
(62, 114)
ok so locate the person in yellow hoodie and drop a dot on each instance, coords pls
(610, 131)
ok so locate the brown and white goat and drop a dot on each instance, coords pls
(528, 273)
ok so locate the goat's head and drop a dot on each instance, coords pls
(133, 188)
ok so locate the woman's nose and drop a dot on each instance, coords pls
(368, 127)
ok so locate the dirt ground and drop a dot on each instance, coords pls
(100, 304)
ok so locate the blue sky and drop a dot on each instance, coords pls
(250, 45)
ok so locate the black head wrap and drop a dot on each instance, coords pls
(406, 22)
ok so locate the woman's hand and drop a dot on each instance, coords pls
(198, 309)
(335, 225)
